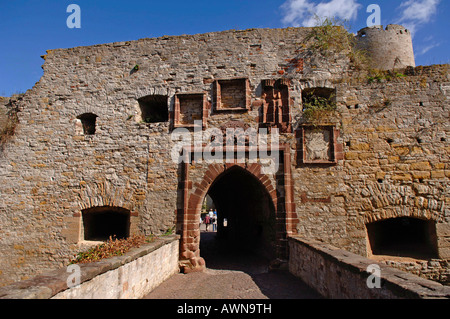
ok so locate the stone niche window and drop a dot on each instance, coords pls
(312, 95)
(403, 237)
(190, 109)
(318, 145)
(275, 111)
(231, 94)
(154, 108)
(319, 105)
(100, 223)
(86, 124)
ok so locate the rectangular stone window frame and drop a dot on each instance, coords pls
(218, 86)
(178, 98)
(336, 148)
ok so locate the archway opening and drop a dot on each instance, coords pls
(245, 218)
(100, 223)
(403, 237)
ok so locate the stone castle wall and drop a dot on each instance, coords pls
(389, 142)
(395, 139)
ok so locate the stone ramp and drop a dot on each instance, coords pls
(231, 275)
(232, 284)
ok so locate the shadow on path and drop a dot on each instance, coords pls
(232, 274)
(274, 284)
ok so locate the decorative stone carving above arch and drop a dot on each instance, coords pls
(276, 105)
(318, 145)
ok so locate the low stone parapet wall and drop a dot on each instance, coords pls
(130, 276)
(339, 274)
(434, 269)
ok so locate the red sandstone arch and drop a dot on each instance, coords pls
(192, 197)
(190, 241)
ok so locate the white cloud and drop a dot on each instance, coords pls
(427, 45)
(417, 12)
(428, 48)
(301, 12)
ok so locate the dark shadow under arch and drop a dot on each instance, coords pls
(245, 203)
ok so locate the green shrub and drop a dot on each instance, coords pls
(332, 35)
(318, 108)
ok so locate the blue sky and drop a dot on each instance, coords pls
(29, 28)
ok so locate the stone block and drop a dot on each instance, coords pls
(402, 150)
(421, 175)
(443, 230)
(351, 155)
(444, 252)
(421, 166)
(359, 147)
(402, 177)
(438, 174)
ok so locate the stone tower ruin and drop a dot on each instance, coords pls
(389, 48)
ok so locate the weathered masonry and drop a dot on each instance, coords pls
(92, 154)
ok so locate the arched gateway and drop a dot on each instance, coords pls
(245, 212)
(258, 208)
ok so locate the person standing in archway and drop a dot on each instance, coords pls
(207, 221)
(214, 223)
